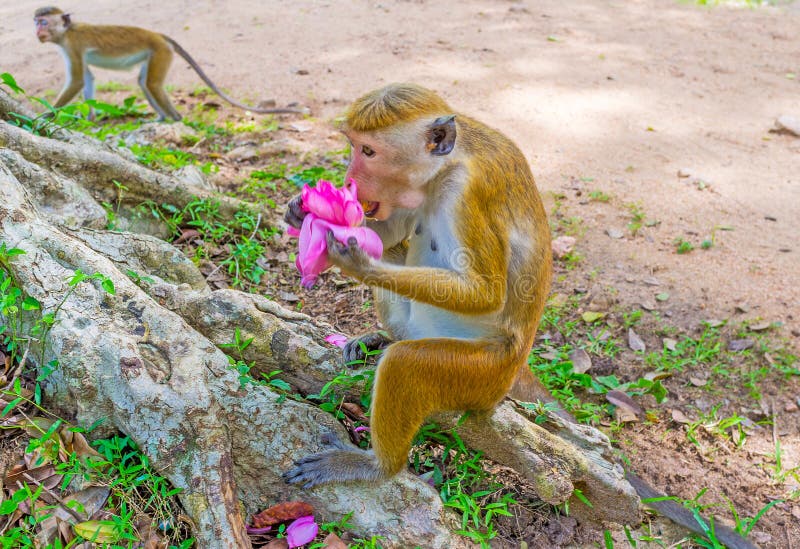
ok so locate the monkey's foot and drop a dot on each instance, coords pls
(358, 348)
(340, 464)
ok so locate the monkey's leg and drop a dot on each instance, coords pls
(418, 377)
(88, 89)
(73, 84)
(414, 379)
(151, 79)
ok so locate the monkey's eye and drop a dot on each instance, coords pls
(367, 151)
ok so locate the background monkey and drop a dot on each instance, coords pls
(119, 48)
(461, 286)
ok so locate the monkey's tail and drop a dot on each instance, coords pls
(183, 53)
(684, 517)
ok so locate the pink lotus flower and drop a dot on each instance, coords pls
(301, 531)
(336, 210)
(336, 339)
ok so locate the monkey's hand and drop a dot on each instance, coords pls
(294, 212)
(350, 258)
(357, 349)
(339, 464)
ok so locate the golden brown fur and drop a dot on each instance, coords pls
(464, 289)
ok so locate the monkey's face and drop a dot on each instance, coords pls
(391, 168)
(48, 28)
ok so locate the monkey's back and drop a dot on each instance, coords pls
(115, 41)
(502, 190)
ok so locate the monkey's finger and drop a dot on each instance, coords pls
(294, 212)
(334, 245)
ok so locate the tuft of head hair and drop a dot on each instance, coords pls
(48, 10)
(393, 104)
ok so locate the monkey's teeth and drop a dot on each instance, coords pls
(370, 207)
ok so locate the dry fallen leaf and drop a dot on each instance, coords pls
(187, 235)
(635, 342)
(627, 409)
(698, 381)
(592, 316)
(680, 417)
(354, 411)
(332, 541)
(277, 543)
(581, 361)
(655, 376)
(282, 512)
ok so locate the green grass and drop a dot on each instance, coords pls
(459, 475)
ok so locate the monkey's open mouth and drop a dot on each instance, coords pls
(370, 208)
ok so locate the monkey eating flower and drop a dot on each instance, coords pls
(330, 210)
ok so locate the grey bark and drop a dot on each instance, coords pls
(147, 360)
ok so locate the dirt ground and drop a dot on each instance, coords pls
(665, 107)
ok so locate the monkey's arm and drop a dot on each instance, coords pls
(74, 83)
(465, 292)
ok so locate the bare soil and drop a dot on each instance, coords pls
(664, 107)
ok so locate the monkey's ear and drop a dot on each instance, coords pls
(442, 135)
(67, 19)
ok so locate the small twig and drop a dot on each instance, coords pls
(55, 496)
(194, 147)
(258, 222)
(21, 365)
(213, 272)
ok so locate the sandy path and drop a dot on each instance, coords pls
(577, 85)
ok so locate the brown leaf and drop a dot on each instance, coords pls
(680, 417)
(635, 342)
(697, 381)
(42, 475)
(354, 411)
(332, 541)
(282, 512)
(82, 449)
(737, 345)
(627, 409)
(657, 375)
(581, 361)
(186, 235)
(277, 543)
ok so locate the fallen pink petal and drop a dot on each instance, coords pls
(301, 531)
(361, 429)
(330, 209)
(336, 339)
